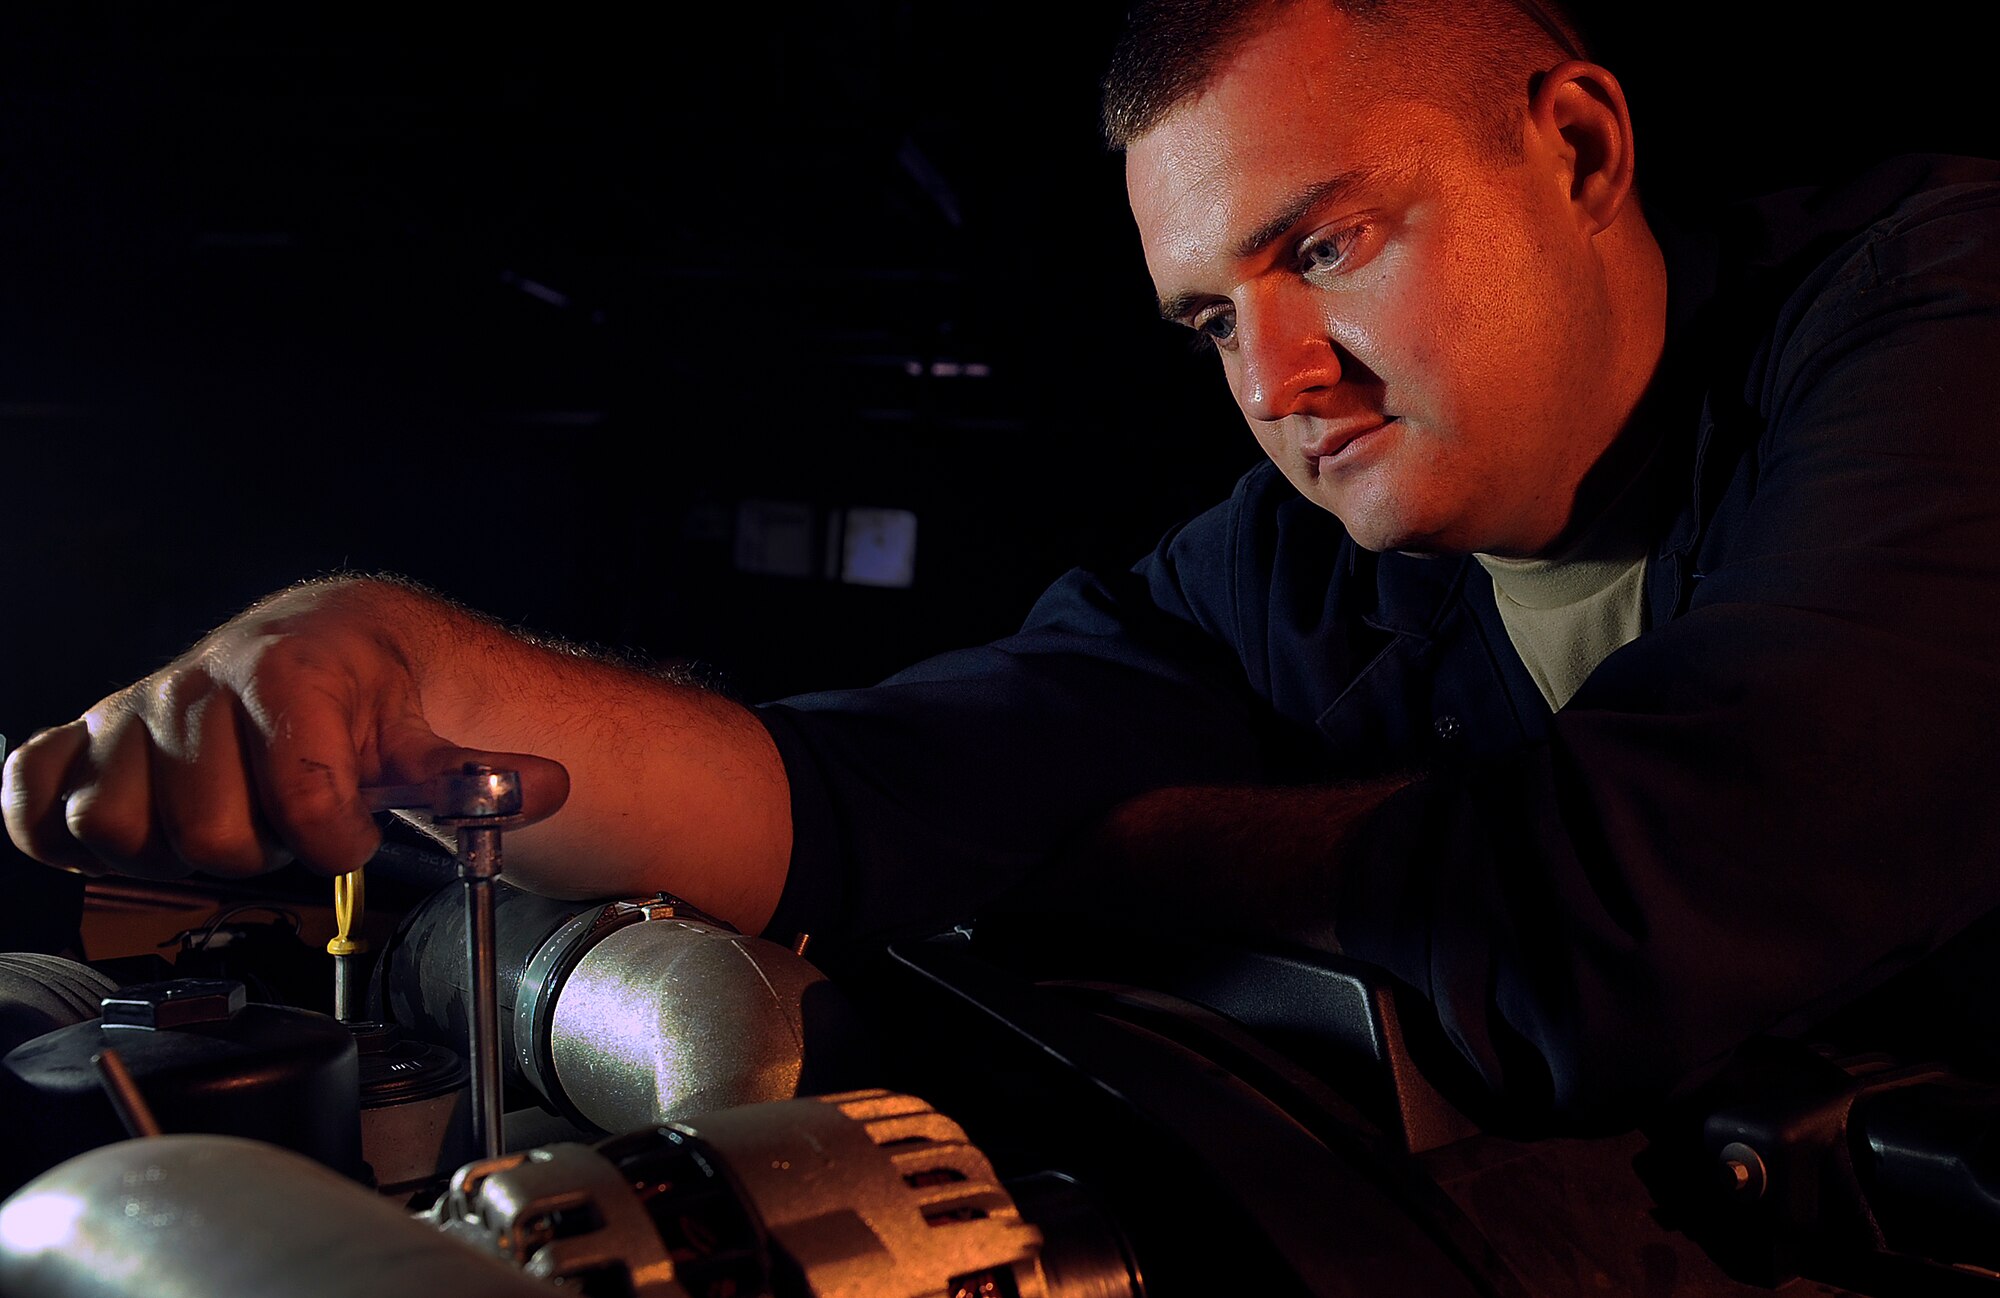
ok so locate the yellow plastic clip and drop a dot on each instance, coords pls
(349, 900)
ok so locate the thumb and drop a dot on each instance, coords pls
(416, 761)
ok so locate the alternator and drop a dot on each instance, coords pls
(863, 1193)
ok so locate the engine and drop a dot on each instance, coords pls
(1018, 1112)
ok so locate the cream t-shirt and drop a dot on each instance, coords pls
(1565, 616)
(1565, 613)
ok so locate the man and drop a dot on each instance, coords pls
(1605, 652)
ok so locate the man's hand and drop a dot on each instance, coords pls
(251, 748)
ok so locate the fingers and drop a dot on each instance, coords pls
(302, 733)
(79, 797)
(309, 745)
(33, 798)
(247, 752)
(160, 780)
(201, 793)
(110, 813)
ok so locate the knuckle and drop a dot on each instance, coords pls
(105, 828)
(38, 767)
(31, 796)
(17, 776)
(279, 658)
(113, 708)
(108, 727)
(38, 745)
(285, 698)
(174, 692)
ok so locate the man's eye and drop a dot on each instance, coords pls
(1216, 329)
(1327, 251)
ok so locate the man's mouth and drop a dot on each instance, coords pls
(1328, 452)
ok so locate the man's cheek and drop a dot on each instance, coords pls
(1418, 341)
(1262, 431)
(1270, 437)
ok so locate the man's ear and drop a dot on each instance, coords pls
(1579, 110)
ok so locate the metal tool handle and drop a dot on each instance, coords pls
(478, 869)
(479, 802)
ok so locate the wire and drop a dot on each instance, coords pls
(197, 939)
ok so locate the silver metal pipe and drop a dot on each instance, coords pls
(228, 1218)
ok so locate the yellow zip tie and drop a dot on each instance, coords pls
(349, 898)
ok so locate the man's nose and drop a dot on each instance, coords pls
(1285, 356)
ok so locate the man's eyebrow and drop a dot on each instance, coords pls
(1294, 209)
(1297, 206)
(1174, 309)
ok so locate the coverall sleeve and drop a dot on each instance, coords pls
(917, 799)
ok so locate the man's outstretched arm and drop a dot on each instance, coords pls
(252, 747)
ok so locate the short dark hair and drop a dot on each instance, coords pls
(1482, 51)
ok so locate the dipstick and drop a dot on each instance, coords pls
(349, 904)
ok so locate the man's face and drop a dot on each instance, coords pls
(1415, 326)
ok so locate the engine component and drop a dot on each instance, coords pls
(645, 1214)
(868, 1192)
(223, 1216)
(921, 1210)
(40, 993)
(203, 1060)
(415, 1120)
(1849, 1167)
(416, 1116)
(865, 1193)
(628, 1013)
(1206, 1153)
(670, 1017)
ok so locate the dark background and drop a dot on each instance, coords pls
(523, 307)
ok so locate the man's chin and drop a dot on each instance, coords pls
(1386, 535)
(1383, 525)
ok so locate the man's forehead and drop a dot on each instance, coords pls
(1222, 177)
(1279, 114)
(1303, 57)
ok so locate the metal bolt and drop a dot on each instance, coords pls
(1744, 1175)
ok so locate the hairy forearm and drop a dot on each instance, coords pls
(670, 786)
(254, 747)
